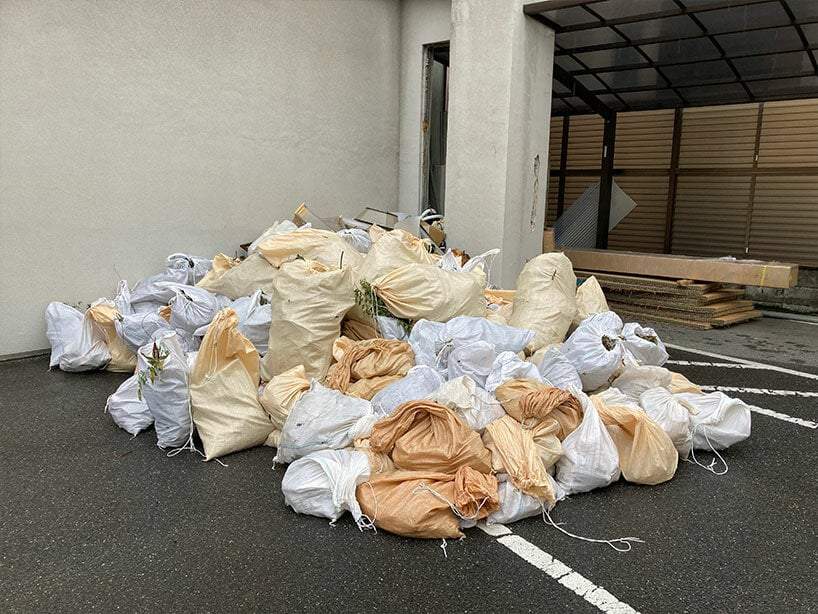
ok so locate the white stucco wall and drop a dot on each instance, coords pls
(422, 22)
(131, 130)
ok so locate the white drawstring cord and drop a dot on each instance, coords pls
(712, 465)
(423, 486)
(625, 541)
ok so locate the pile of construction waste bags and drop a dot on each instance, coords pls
(392, 381)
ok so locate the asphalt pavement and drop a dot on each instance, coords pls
(93, 520)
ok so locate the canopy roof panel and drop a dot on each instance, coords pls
(615, 55)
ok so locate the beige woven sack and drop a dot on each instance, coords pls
(308, 301)
(545, 301)
(238, 279)
(424, 291)
(224, 390)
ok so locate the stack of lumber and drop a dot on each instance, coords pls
(697, 292)
(695, 304)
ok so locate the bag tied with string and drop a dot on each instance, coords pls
(367, 367)
(531, 402)
(426, 436)
(321, 246)
(323, 483)
(224, 390)
(646, 453)
(237, 278)
(424, 291)
(428, 504)
(513, 452)
(545, 300)
(163, 376)
(280, 394)
(308, 300)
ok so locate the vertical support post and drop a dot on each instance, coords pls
(673, 179)
(603, 217)
(753, 178)
(566, 124)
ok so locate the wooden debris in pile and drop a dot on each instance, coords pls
(696, 304)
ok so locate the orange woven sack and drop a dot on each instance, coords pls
(426, 436)
(365, 367)
(427, 504)
(646, 453)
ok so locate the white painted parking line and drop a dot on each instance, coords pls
(758, 365)
(777, 393)
(777, 414)
(720, 365)
(570, 579)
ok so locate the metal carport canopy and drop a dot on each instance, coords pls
(631, 55)
(627, 55)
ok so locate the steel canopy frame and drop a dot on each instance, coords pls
(685, 53)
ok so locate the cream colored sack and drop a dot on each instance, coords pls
(424, 291)
(513, 452)
(545, 301)
(646, 453)
(281, 393)
(240, 278)
(590, 300)
(392, 250)
(105, 315)
(312, 244)
(224, 390)
(308, 301)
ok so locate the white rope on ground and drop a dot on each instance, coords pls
(613, 543)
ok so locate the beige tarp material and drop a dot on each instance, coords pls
(418, 291)
(392, 250)
(220, 264)
(646, 453)
(513, 452)
(105, 315)
(358, 331)
(241, 279)
(679, 383)
(366, 367)
(281, 393)
(312, 244)
(379, 462)
(545, 300)
(426, 436)
(308, 301)
(590, 300)
(224, 390)
(419, 503)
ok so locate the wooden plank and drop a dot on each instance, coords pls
(737, 318)
(768, 274)
(635, 315)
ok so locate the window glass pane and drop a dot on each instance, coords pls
(642, 77)
(759, 41)
(569, 16)
(803, 9)
(811, 32)
(741, 17)
(611, 57)
(614, 9)
(700, 72)
(686, 49)
(721, 94)
(773, 65)
(652, 99)
(668, 27)
(804, 86)
(591, 82)
(567, 62)
(585, 38)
